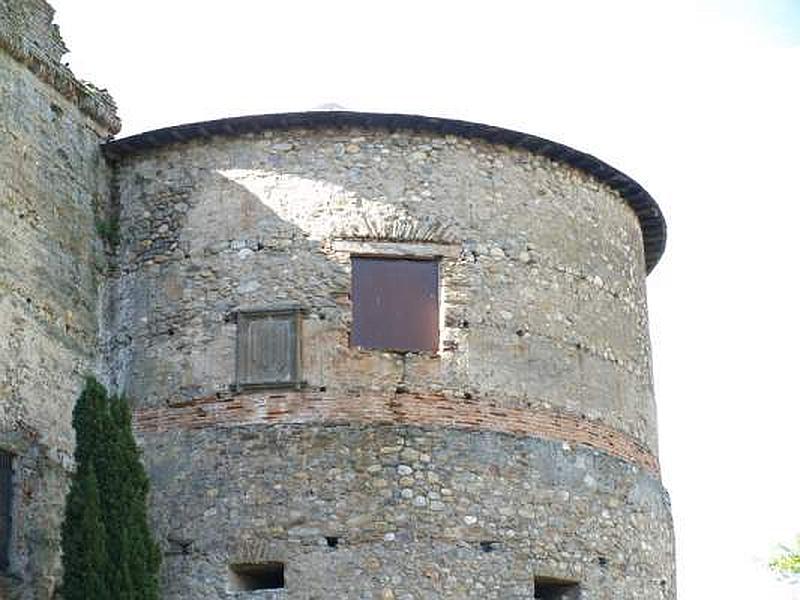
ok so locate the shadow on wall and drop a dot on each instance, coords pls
(214, 241)
(217, 228)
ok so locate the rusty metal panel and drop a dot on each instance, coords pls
(395, 304)
(6, 496)
(268, 349)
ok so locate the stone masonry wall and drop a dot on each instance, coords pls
(542, 270)
(538, 399)
(53, 183)
(419, 513)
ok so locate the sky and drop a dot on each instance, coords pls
(699, 101)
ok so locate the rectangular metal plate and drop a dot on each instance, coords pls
(395, 304)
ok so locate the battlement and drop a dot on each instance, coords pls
(28, 34)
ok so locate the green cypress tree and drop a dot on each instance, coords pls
(115, 501)
(83, 536)
(90, 420)
(84, 540)
(106, 446)
(140, 553)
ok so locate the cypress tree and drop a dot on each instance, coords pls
(106, 448)
(83, 537)
(84, 540)
(116, 503)
(140, 554)
(90, 421)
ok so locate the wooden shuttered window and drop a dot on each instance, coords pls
(268, 348)
(5, 507)
(395, 304)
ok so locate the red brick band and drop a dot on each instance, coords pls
(400, 409)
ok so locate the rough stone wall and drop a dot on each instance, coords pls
(418, 513)
(542, 272)
(53, 182)
(542, 379)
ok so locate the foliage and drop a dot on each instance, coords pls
(83, 529)
(108, 230)
(789, 560)
(108, 549)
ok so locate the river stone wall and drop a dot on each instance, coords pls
(53, 183)
(542, 272)
(538, 400)
(417, 513)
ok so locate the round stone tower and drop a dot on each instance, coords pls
(388, 356)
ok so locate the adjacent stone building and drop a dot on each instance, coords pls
(370, 356)
(54, 186)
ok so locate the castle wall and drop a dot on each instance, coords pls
(419, 513)
(542, 283)
(53, 182)
(532, 428)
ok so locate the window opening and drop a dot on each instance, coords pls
(550, 588)
(395, 304)
(251, 577)
(6, 472)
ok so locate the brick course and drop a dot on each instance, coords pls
(434, 410)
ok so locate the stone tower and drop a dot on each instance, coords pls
(370, 356)
(54, 186)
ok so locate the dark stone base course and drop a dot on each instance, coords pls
(417, 513)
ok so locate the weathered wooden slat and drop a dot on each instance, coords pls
(267, 348)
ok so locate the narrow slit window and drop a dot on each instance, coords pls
(395, 304)
(268, 348)
(252, 577)
(6, 472)
(550, 588)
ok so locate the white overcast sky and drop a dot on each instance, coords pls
(698, 100)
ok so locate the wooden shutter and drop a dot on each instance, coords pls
(268, 348)
(5, 508)
(395, 304)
